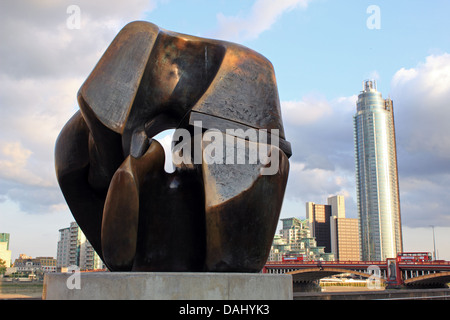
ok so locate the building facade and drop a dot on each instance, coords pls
(5, 254)
(74, 249)
(331, 229)
(63, 247)
(377, 176)
(346, 235)
(319, 217)
(294, 240)
(32, 265)
(4, 237)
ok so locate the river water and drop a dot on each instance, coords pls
(20, 290)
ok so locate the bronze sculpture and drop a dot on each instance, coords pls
(207, 215)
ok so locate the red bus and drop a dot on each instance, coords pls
(414, 257)
(293, 258)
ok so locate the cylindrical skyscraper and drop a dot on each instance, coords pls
(377, 176)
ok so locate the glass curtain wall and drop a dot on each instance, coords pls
(377, 176)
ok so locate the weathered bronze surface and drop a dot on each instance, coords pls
(207, 216)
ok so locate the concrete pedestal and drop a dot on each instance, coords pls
(166, 286)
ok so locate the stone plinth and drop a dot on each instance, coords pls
(166, 286)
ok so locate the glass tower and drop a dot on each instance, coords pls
(376, 176)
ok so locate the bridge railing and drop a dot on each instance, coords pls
(324, 263)
(426, 263)
(335, 263)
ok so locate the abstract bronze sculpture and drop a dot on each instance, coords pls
(207, 215)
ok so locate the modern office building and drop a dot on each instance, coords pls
(337, 204)
(345, 237)
(338, 234)
(376, 175)
(75, 250)
(318, 216)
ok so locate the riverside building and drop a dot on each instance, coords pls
(329, 226)
(75, 250)
(376, 176)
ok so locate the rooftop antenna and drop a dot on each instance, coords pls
(369, 85)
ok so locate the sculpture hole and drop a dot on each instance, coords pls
(165, 139)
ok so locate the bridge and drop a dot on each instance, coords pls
(393, 273)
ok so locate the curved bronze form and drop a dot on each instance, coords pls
(205, 216)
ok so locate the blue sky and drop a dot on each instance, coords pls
(321, 50)
(327, 41)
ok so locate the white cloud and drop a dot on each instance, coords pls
(321, 130)
(307, 111)
(13, 164)
(321, 133)
(42, 65)
(32, 121)
(318, 183)
(421, 100)
(403, 75)
(429, 78)
(37, 42)
(374, 75)
(262, 15)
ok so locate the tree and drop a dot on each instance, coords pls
(2, 266)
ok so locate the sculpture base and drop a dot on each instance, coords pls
(166, 286)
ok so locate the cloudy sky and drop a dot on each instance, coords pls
(322, 50)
